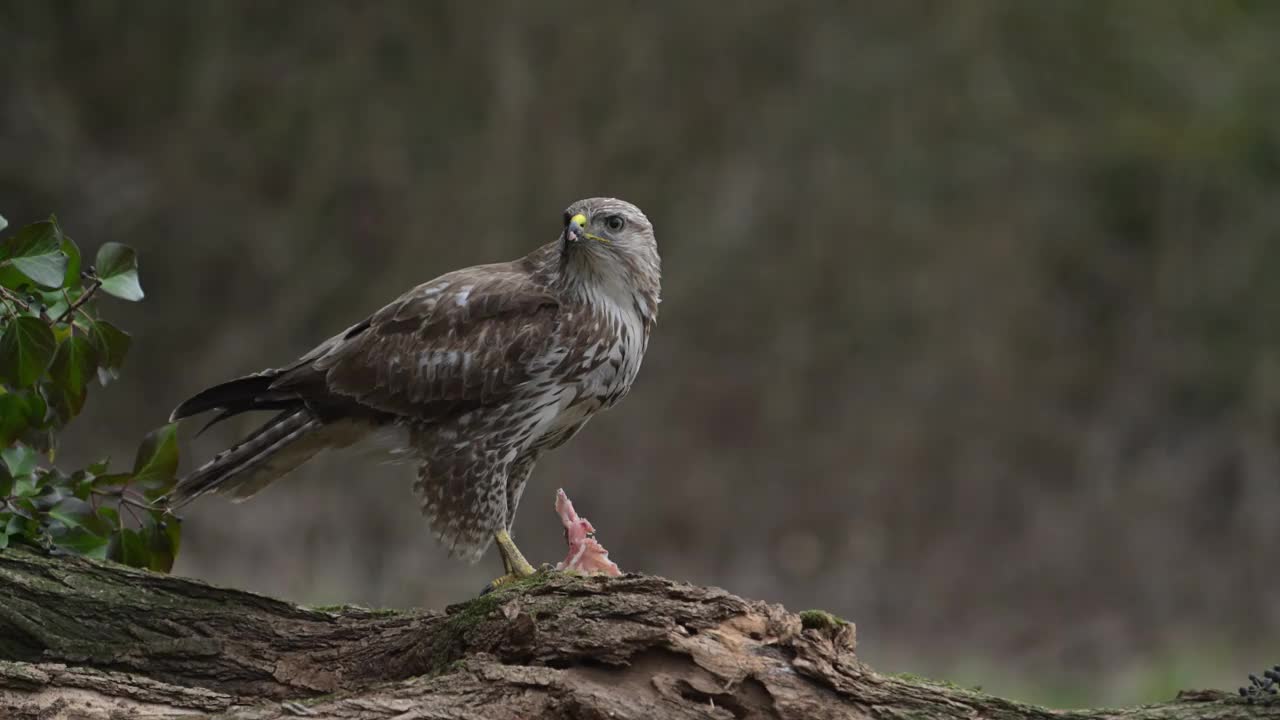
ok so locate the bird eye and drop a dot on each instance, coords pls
(615, 223)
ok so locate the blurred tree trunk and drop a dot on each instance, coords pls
(84, 639)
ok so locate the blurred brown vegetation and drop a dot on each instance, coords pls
(970, 332)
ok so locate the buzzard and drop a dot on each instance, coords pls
(473, 376)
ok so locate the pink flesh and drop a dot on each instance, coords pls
(586, 555)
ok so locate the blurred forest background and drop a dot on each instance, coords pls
(971, 329)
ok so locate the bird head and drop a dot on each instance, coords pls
(607, 239)
(607, 222)
(606, 232)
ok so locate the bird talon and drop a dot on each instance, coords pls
(499, 582)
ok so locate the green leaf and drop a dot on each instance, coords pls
(18, 412)
(4, 537)
(69, 248)
(117, 268)
(82, 484)
(54, 305)
(77, 514)
(36, 252)
(109, 516)
(25, 486)
(132, 547)
(161, 549)
(73, 512)
(112, 343)
(20, 460)
(83, 541)
(157, 459)
(26, 349)
(43, 270)
(24, 509)
(3, 223)
(6, 485)
(15, 525)
(38, 238)
(111, 482)
(72, 369)
(49, 496)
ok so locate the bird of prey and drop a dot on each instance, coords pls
(473, 375)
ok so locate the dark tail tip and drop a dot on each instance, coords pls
(226, 396)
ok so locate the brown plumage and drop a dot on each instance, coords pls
(478, 372)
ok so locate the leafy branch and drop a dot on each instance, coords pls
(53, 345)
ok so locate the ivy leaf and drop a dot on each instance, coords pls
(77, 514)
(81, 484)
(117, 268)
(109, 516)
(112, 343)
(71, 278)
(36, 252)
(83, 541)
(112, 482)
(54, 305)
(24, 510)
(4, 536)
(49, 495)
(20, 459)
(160, 546)
(16, 523)
(73, 512)
(157, 459)
(72, 369)
(18, 412)
(26, 349)
(6, 486)
(24, 486)
(129, 547)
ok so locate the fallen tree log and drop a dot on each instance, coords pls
(87, 639)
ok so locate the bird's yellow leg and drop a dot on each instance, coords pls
(512, 560)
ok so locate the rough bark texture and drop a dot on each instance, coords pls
(83, 639)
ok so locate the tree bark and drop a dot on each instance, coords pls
(86, 639)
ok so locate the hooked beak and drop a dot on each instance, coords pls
(575, 230)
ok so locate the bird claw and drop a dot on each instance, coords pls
(510, 578)
(499, 582)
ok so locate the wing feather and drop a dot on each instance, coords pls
(465, 340)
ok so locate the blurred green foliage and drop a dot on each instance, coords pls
(53, 345)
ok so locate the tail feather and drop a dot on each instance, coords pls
(252, 392)
(279, 446)
(293, 436)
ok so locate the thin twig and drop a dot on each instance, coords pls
(84, 298)
(13, 297)
(129, 510)
(141, 505)
(123, 497)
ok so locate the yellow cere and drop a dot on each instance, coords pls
(581, 221)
